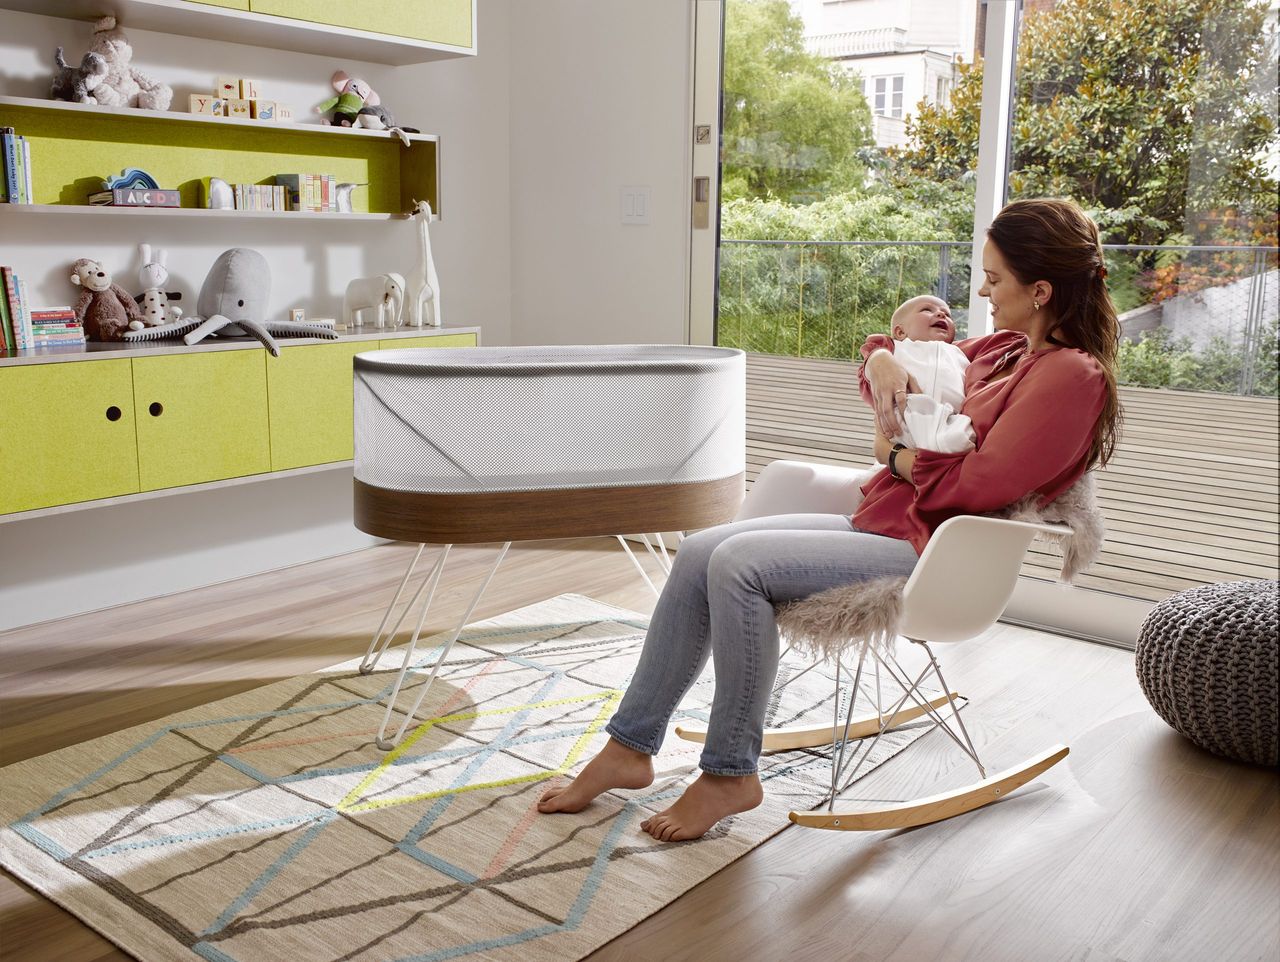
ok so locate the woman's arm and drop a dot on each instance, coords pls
(1046, 427)
(905, 460)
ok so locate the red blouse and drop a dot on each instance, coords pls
(1033, 429)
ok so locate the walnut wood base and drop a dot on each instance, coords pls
(486, 517)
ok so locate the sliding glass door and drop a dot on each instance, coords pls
(864, 146)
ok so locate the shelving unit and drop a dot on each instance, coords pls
(215, 21)
(179, 149)
(8, 211)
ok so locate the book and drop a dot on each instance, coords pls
(9, 143)
(15, 315)
(6, 324)
(291, 186)
(20, 169)
(28, 192)
(130, 197)
(24, 311)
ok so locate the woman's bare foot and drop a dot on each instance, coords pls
(705, 802)
(617, 766)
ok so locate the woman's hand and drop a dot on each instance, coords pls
(889, 381)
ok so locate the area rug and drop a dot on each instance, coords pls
(268, 827)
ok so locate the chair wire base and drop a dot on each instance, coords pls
(840, 782)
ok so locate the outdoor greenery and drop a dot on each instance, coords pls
(1157, 359)
(1156, 115)
(796, 127)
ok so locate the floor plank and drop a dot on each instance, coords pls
(1138, 847)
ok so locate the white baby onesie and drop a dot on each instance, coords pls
(929, 418)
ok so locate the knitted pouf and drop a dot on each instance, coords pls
(1208, 661)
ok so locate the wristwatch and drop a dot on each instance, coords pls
(893, 457)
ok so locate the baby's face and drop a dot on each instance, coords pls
(925, 319)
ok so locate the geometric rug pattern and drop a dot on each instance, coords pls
(268, 826)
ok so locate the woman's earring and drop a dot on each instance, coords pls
(1037, 304)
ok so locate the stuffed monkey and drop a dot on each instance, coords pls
(104, 309)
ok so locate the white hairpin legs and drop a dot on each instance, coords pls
(640, 568)
(429, 588)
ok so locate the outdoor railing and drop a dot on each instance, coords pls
(1192, 317)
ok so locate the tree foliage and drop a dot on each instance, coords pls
(822, 300)
(796, 127)
(1161, 110)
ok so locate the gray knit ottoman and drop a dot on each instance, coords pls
(1208, 662)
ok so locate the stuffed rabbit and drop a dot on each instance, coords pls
(154, 301)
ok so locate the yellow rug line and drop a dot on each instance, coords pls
(611, 699)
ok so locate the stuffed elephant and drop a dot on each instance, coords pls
(382, 292)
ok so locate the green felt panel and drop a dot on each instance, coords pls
(309, 395)
(437, 21)
(72, 152)
(439, 340)
(213, 420)
(58, 445)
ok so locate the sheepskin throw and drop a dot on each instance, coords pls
(826, 623)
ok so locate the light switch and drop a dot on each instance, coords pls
(635, 204)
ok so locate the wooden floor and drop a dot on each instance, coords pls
(1138, 847)
(1191, 497)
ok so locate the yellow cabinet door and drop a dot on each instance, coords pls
(436, 21)
(68, 434)
(309, 395)
(201, 417)
(440, 340)
(233, 4)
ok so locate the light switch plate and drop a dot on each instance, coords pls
(636, 202)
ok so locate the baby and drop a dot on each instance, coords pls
(923, 330)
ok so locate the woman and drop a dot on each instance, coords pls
(1042, 397)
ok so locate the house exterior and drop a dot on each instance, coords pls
(906, 51)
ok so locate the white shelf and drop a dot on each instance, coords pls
(239, 26)
(182, 117)
(37, 210)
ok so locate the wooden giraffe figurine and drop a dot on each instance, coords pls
(422, 287)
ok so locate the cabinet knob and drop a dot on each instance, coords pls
(156, 409)
(113, 413)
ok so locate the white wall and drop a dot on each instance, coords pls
(599, 100)
(105, 555)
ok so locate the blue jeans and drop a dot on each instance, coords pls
(718, 602)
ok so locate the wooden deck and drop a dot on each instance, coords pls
(1191, 497)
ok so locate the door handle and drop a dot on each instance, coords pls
(701, 203)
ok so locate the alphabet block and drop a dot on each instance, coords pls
(227, 87)
(204, 104)
(248, 89)
(239, 108)
(283, 112)
(263, 109)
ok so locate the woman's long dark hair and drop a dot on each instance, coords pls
(1055, 241)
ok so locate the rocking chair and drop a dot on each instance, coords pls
(948, 599)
